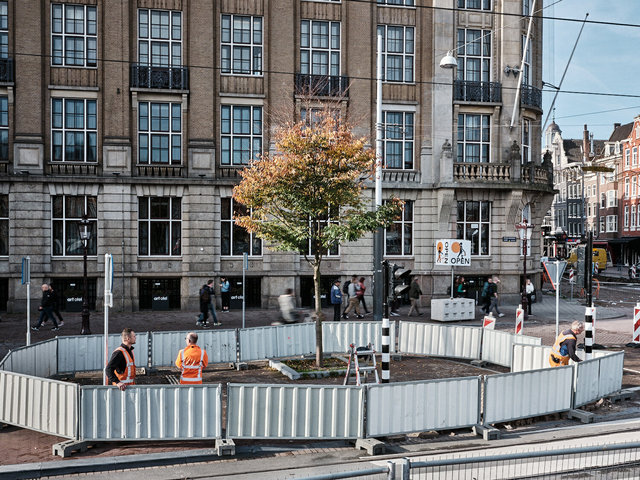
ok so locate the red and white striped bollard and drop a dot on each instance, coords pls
(636, 323)
(519, 319)
(489, 322)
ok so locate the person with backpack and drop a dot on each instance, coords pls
(205, 300)
(360, 294)
(345, 295)
(336, 299)
(354, 300)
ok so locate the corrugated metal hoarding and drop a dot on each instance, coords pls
(611, 366)
(440, 340)
(295, 411)
(260, 343)
(511, 396)
(337, 336)
(38, 359)
(85, 353)
(497, 347)
(529, 357)
(151, 412)
(220, 346)
(47, 406)
(418, 406)
(598, 377)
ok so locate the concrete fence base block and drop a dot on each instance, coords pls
(584, 417)
(283, 369)
(371, 445)
(65, 449)
(478, 363)
(225, 446)
(396, 357)
(488, 433)
(621, 395)
(241, 366)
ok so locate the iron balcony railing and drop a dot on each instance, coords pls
(6, 70)
(469, 91)
(322, 85)
(531, 96)
(171, 78)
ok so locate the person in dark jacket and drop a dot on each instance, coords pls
(205, 301)
(414, 295)
(56, 305)
(336, 299)
(46, 309)
(121, 369)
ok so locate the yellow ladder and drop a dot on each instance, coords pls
(353, 364)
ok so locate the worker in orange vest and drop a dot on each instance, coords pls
(564, 347)
(121, 369)
(191, 360)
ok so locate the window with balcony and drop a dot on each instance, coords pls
(398, 139)
(4, 225)
(474, 224)
(526, 141)
(241, 128)
(474, 55)
(319, 48)
(526, 7)
(398, 52)
(398, 237)
(74, 130)
(397, 3)
(526, 72)
(159, 133)
(160, 38)
(474, 4)
(4, 128)
(67, 211)
(241, 45)
(235, 240)
(474, 138)
(74, 35)
(159, 226)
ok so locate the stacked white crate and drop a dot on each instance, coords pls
(453, 309)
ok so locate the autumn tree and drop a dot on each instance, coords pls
(308, 196)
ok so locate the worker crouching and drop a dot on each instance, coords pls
(564, 347)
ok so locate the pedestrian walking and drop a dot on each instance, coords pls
(354, 301)
(485, 299)
(345, 295)
(225, 293)
(287, 304)
(56, 305)
(212, 303)
(336, 299)
(493, 296)
(529, 290)
(46, 309)
(360, 294)
(121, 369)
(204, 296)
(191, 360)
(564, 347)
(461, 288)
(414, 296)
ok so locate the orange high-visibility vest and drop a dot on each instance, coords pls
(555, 351)
(191, 360)
(128, 377)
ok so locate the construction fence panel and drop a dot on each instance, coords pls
(529, 357)
(85, 353)
(38, 359)
(497, 346)
(220, 346)
(440, 340)
(511, 396)
(586, 382)
(295, 411)
(151, 412)
(598, 377)
(399, 408)
(40, 404)
(610, 379)
(260, 343)
(337, 336)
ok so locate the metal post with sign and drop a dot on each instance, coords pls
(245, 266)
(108, 303)
(554, 272)
(26, 280)
(453, 252)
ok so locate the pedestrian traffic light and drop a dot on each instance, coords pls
(400, 279)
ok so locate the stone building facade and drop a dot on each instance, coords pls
(140, 115)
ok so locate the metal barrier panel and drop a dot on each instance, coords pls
(220, 346)
(151, 412)
(85, 353)
(337, 336)
(47, 406)
(295, 411)
(440, 340)
(497, 347)
(529, 357)
(610, 379)
(586, 382)
(260, 343)
(37, 359)
(419, 406)
(510, 396)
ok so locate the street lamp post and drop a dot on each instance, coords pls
(524, 230)
(85, 235)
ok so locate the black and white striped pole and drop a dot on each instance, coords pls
(386, 328)
(588, 316)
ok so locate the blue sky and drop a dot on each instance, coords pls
(607, 59)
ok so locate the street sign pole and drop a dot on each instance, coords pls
(108, 302)
(26, 280)
(557, 296)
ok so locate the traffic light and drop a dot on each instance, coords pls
(399, 280)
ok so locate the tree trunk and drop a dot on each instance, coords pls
(319, 314)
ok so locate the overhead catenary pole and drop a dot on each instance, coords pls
(521, 73)
(378, 237)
